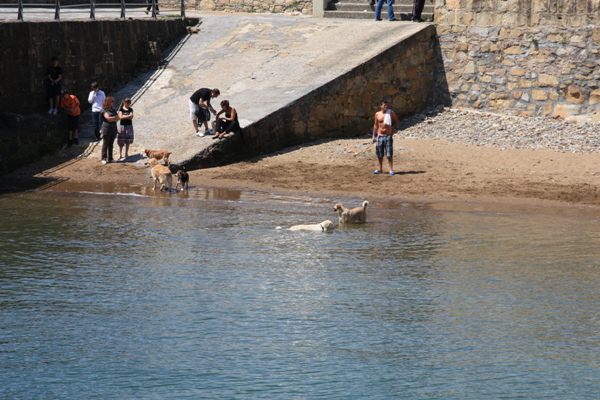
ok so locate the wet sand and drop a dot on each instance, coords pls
(427, 170)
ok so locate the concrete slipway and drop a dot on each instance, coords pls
(260, 63)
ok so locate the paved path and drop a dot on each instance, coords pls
(259, 62)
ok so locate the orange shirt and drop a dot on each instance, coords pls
(70, 105)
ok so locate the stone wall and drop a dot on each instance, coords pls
(403, 74)
(109, 51)
(525, 57)
(250, 6)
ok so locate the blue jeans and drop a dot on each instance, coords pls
(97, 122)
(390, 9)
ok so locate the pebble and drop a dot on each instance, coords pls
(504, 131)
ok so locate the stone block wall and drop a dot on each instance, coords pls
(250, 6)
(109, 51)
(525, 57)
(403, 75)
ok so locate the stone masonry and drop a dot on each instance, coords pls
(109, 51)
(530, 58)
(249, 6)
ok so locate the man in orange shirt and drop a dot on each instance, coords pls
(70, 104)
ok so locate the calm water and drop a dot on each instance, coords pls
(135, 297)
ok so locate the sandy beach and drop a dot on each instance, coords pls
(429, 170)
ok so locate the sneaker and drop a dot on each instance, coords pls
(55, 111)
(377, 172)
(208, 131)
(392, 173)
(50, 110)
(103, 161)
(199, 134)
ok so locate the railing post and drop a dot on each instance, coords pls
(57, 10)
(92, 9)
(123, 9)
(182, 9)
(154, 9)
(20, 10)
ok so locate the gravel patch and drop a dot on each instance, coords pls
(503, 131)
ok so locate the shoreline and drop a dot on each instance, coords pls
(443, 175)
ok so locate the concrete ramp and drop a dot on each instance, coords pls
(290, 78)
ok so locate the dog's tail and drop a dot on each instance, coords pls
(365, 204)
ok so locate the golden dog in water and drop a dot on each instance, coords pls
(357, 215)
(161, 174)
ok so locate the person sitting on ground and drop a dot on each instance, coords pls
(200, 108)
(125, 135)
(226, 120)
(70, 104)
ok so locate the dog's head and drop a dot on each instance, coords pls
(365, 204)
(339, 209)
(174, 168)
(152, 162)
(147, 152)
(327, 226)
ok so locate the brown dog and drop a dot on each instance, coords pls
(161, 174)
(357, 215)
(158, 155)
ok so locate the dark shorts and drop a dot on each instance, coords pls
(384, 146)
(52, 90)
(72, 122)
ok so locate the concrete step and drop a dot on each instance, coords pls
(398, 8)
(405, 16)
(362, 9)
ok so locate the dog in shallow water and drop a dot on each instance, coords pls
(357, 215)
(183, 177)
(158, 155)
(161, 174)
(325, 226)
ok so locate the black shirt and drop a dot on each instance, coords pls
(203, 94)
(54, 72)
(127, 113)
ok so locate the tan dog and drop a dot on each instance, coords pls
(357, 215)
(161, 174)
(158, 155)
(325, 226)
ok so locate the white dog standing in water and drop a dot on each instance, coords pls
(325, 226)
(357, 215)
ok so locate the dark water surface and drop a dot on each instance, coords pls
(135, 297)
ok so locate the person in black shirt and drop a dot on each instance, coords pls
(110, 117)
(200, 108)
(53, 78)
(125, 134)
